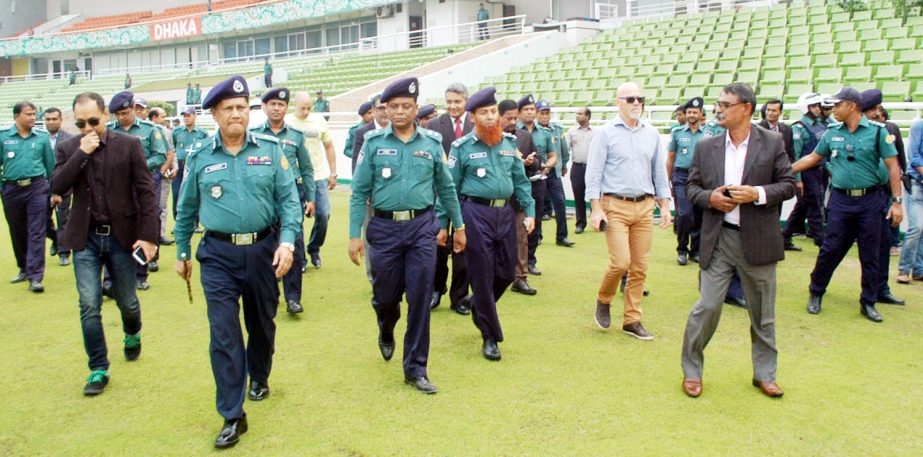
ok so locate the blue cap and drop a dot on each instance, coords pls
(189, 110)
(542, 105)
(276, 93)
(364, 108)
(525, 101)
(120, 101)
(870, 99)
(694, 102)
(847, 94)
(426, 110)
(140, 101)
(407, 87)
(235, 86)
(481, 98)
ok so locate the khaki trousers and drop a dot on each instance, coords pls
(628, 237)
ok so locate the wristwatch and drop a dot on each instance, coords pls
(897, 200)
(289, 246)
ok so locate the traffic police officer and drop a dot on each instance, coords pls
(806, 133)
(487, 170)
(186, 139)
(155, 151)
(398, 168)
(238, 184)
(365, 112)
(680, 151)
(542, 138)
(27, 164)
(275, 104)
(554, 197)
(854, 150)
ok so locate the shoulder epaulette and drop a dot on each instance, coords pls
(509, 135)
(876, 123)
(374, 133)
(260, 136)
(296, 129)
(431, 133)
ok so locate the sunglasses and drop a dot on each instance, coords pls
(632, 100)
(93, 121)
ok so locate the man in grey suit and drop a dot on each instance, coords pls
(740, 179)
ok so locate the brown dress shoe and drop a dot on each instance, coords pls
(638, 331)
(769, 389)
(692, 387)
(603, 319)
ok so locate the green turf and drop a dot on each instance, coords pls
(563, 387)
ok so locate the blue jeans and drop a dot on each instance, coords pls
(321, 216)
(88, 264)
(912, 253)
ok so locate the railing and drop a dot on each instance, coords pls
(667, 8)
(468, 32)
(605, 11)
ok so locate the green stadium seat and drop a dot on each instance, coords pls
(894, 31)
(863, 86)
(700, 79)
(842, 27)
(895, 91)
(749, 64)
(841, 37)
(874, 46)
(822, 48)
(685, 67)
(857, 74)
(712, 94)
(773, 77)
(677, 80)
(804, 75)
(799, 62)
(861, 15)
(655, 82)
(771, 91)
(705, 66)
(881, 58)
(840, 18)
(774, 63)
(828, 74)
(749, 77)
(910, 56)
(918, 92)
(693, 91)
(668, 96)
(728, 66)
(848, 47)
(914, 73)
(901, 44)
(828, 88)
(852, 59)
(774, 51)
(863, 26)
(889, 73)
(793, 91)
(798, 41)
(870, 34)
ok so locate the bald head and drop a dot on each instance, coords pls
(628, 89)
(630, 102)
(303, 105)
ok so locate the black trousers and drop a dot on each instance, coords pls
(460, 284)
(538, 194)
(578, 184)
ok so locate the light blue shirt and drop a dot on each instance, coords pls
(626, 162)
(916, 149)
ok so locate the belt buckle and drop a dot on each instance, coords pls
(242, 239)
(103, 230)
(498, 203)
(401, 215)
(856, 192)
(24, 182)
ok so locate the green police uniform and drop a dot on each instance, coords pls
(190, 93)
(197, 95)
(186, 141)
(542, 137)
(153, 143)
(682, 144)
(489, 172)
(348, 148)
(854, 158)
(291, 140)
(800, 133)
(712, 129)
(561, 147)
(321, 106)
(238, 194)
(28, 157)
(401, 176)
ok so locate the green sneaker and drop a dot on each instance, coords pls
(132, 347)
(96, 382)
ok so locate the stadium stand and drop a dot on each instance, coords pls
(147, 16)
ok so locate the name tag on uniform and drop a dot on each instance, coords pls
(423, 154)
(684, 140)
(386, 152)
(289, 143)
(262, 160)
(478, 155)
(508, 153)
(10, 141)
(216, 167)
(837, 138)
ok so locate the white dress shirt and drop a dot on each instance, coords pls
(734, 159)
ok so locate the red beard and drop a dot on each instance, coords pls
(489, 135)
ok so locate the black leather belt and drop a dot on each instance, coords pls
(102, 229)
(680, 169)
(495, 203)
(628, 199)
(729, 225)
(408, 215)
(582, 164)
(240, 239)
(857, 192)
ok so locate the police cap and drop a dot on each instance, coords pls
(364, 108)
(426, 110)
(276, 93)
(235, 86)
(120, 101)
(407, 87)
(870, 99)
(481, 98)
(543, 105)
(525, 101)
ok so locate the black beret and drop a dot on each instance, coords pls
(426, 110)
(364, 108)
(235, 86)
(407, 87)
(120, 101)
(276, 93)
(525, 101)
(870, 99)
(694, 102)
(481, 98)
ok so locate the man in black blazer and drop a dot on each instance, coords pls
(114, 212)
(452, 125)
(60, 204)
(772, 112)
(740, 179)
(379, 121)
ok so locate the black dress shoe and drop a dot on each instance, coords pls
(167, 241)
(789, 246)
(422, 384)
(491, 351)
(258, 391)
(53, 251)
(889, 299)
(736, 301)
(293, 307)
(546, 217)
(142, 284)
(578, 230)
(870, 313)
(386, 345)
(316, 261)
(153, 266)
(435, 300)
(107, 290)
(18, 278)
(522, 287)
(565, 242)
(682, 258)
(64, 261)
(814, 303)
(36, 286)
(695, 257)
(534, 271)
(231, 431)
(462, 307)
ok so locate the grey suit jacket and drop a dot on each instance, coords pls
(766, 165)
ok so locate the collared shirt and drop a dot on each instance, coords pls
(460, 122)
(321, 106)
(26, 157)
(292, 142)
(854, 159)
(773, 126)
(186, 141)
(626, 161)
(483, 15)
(916, 150)
(578, 138)
(348, 147)
(542, 137)
(99, 203)
(734, 159)
(53, 139)
(560, 146)
(682, 143)
(316, 133)
(153, 143)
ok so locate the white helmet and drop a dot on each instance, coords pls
(808, 99)
(826, 101)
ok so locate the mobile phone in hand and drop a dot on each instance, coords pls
(603, 225)
(727, 192)
(138, 255)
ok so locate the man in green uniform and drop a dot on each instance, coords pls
(679, 158)
(365, 112)
(189, 94)
(186, 139)
(401, 168)
(27, 164)
(267, 73)
(542, 138)
(321, 105)
(239, 185)
(554, 197)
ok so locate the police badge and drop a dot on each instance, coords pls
(216, 191)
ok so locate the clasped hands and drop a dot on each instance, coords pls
(726, 198)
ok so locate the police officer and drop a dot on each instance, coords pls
(267, 75)
(679, 114)
(680, 151)
(275, 105)
(854, 150)
(806, 133)
(238, 184)
(122, 105)
(487, 170)
(365, 112)
(398, 168)
(426, 114)
(554, 197)
(321, 105)
(28, 162)
(186, 139)
(542, 137)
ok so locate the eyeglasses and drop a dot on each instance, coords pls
(726, 105)
(631, 100)
(381, 108)
(93, 121)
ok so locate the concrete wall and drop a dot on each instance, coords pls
(18, 15)
(399, 23)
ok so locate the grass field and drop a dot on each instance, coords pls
(564, 387)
